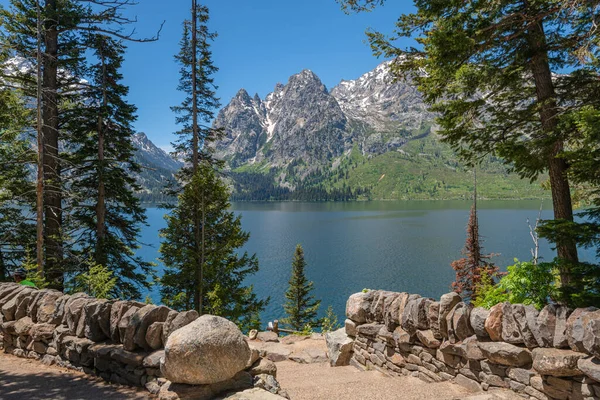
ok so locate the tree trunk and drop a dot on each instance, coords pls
(101, 203)
(52, 183)
(40, 155)
(557, 167)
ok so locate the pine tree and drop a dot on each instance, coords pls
(301, 307)
(222, 280)
(106, 213)
(50, 37)
(17, 237)
(494, 73)
(196, 110)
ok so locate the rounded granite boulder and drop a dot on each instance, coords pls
(209, 350)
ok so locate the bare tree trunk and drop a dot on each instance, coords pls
(557, 167)
(52, 183)
(101, 202)
(40, 155)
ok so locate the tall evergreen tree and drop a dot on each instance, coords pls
(492, 70)
(222, 281)
(301, 307)
(62, 27)
(17, 237)
(107, 216)
(194, 114)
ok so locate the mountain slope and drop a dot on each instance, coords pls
(372, 137)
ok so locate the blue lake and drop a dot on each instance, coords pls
(398, 246)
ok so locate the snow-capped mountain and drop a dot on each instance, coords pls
(152, 155)
(378, 101)
(302, 120)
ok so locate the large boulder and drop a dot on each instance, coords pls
(209, 350)
(9, 308)
(176, 320)
(458, 323)
(378, 306)
(556, 362)
(447, 303)
(358, 306)
(339, 347)
(505, 354)
(154, 335)
(528, 326)
(73, 309)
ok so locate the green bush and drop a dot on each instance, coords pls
(525, 283)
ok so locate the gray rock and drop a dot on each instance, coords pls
(73, 309)
(153, 360)
(46, 306)
(590, 366)
(97, 320)
(208, 350)
(520, 375)
(154, 335)
(591, 336)
(390, 311)
(263, 366)
(511, 313)
(177, 320)
(351, 327)
(403, 339)
(358, 306)
(415, 315)
(369, 329)
(377, 310)
(42, 331)
(23, 326)
(23, 305)
(147, 316)
(447, 303)
(556, 362)
(124, 323)
(505, 354)
(560, 331)
(458, 322)
(528, 326)
(118, 309)
(575, 331)
(477, 319)
(339, 347)
(433, 314)
(493, 323)
(9, 308)
(546, 326)
(267, 336)
(428, 339)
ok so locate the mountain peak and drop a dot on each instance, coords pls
(243, 96)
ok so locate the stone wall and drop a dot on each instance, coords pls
(120, 341)
(550, 354)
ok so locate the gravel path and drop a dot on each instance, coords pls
(320, 381)
(23, 379)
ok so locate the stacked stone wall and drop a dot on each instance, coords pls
(120, 341)
(549, 354)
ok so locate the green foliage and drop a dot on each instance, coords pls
(98, 281)
(524, 283)
(301, 307)
(224, 269)
(33, 274)
(329, 322)
(106, 215)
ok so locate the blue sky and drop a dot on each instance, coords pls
(260, 43)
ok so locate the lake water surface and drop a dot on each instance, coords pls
(398, 246)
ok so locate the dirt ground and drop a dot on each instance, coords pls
(23, 379)
(320, 381)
